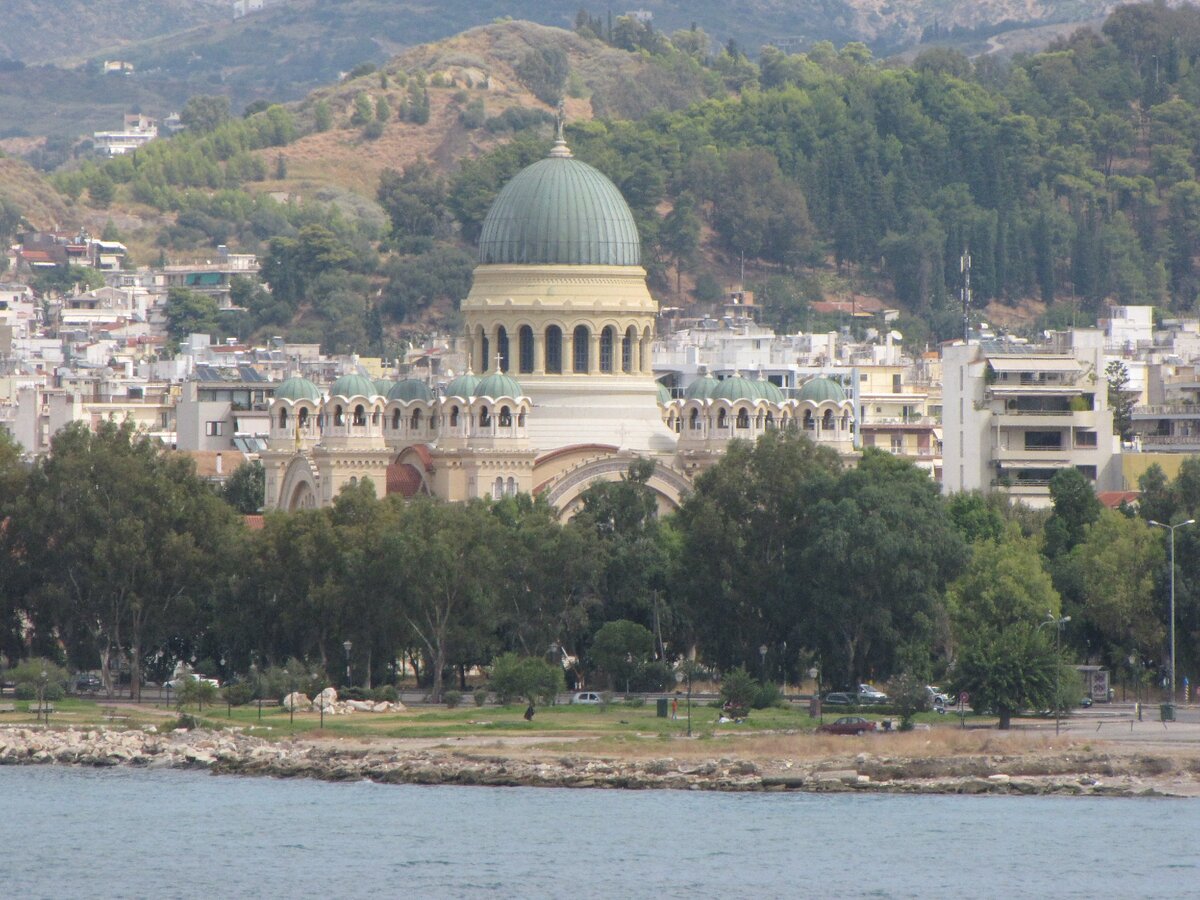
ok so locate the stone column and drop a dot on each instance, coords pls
(539, 352)
(594, 353)
(568, 351)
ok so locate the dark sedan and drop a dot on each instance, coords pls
(848, 725)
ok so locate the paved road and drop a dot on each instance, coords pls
(1119, 722)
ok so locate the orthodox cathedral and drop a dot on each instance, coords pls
(560, 392)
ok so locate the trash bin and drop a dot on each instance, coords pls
(662, 707)
(1166, 712)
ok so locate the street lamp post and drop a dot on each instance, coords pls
(679, 676)
(1058, 623)
(291, 701)
(346, 645)
(1171, 529)
(762, 652)
(43, 715)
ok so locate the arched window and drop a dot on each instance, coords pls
(353, 481)
(758, 420)
(554, 350)
(583, 340)
(512, 487)
(521, 419)
(360, 415)
(743, 419)
(827, 420)
(770, 420)
(808, 420)
(606, 350)
(395, 420)
(721, 418)
(283, 417)
(845, 421)
(302, 417)
(498, 488)
(338, 418)
(454, 417)
(416, 419)
(505, 417)
(627, 344)
(502, 348)
(484, 418)
(525, 339)
(695, 420)
(487, 356)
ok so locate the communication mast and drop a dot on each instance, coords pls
(964, 267)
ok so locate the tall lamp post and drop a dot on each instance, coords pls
(762, 652)
(347, 646)
(1171, 529)
(1058, 623)
(679, 676)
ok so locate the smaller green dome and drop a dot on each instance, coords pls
(820, 389)
(383, 385)
(701, 388)
(664, 393)
(297, 388)
(410, 389)
(353, 385)
(498, 385)
(736, 388)
(769, 391)
(463, 386)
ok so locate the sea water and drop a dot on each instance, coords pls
(69, 832)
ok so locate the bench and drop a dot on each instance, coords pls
(111, 713)
(8, 707)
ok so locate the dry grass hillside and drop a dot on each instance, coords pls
(476, 65)
(42, 206)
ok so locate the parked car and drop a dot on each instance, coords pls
(868, 694)
(87, 683)
(848, 725)
(175, 683)
(838, 698)
(589, 697)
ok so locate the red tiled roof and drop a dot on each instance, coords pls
(403, 479)
(254, 523)
(1114, 499)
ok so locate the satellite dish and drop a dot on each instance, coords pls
(896, 336)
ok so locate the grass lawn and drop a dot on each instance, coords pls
(615, 721)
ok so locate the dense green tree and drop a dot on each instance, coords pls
(190, 312)
(246, 488)
(620, 648)
(1075, 507)
(204, 113)
(415, 201)
(544, 71)
(125, 544)
(1003, 658)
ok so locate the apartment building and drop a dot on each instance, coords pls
(1015, 414)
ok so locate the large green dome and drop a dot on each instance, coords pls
(820, 389)
(353, 385)
(297, 388)
(560, 211)
(498, 385)
(736, 388)
(410, 389)
(701, 388)
(463, 386)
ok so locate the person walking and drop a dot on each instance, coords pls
(675, 707)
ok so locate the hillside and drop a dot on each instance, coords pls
(475, 67)
(184, 47)
(40, 204)
(36, 32)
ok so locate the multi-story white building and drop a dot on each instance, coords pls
(1015, 414)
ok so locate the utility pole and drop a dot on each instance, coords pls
(964, 266)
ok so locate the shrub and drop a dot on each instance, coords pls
(606, 698)
(767, 695)
(528, 677)
(238, 694)
(481, 695)
(738, 689)
(655, 675)
(355, 693)
(385, 693)
(26, 690)
(452, 698)
(55, 691)
(373, 130)
(635, 701)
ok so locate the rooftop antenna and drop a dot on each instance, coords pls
(964, 266)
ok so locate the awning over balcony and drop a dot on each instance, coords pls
(1034, 364)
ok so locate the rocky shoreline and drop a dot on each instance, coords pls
(1089, 773)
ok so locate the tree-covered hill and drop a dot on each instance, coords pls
(1070, 175)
